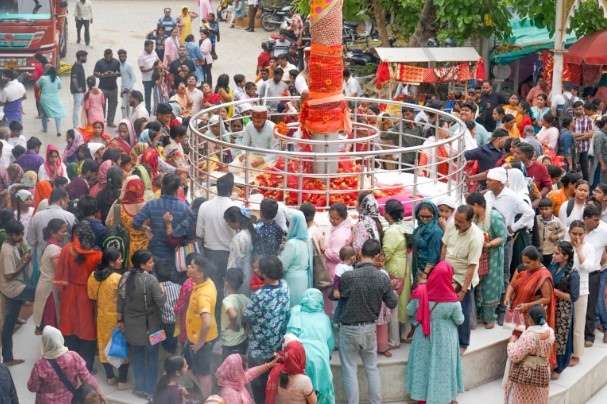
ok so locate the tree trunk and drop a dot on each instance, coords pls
(380, 22)
(426, 27)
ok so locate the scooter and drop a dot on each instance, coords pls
(272, 18)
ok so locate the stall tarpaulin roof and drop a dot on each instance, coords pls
(417, 55)
(526, 39)
(591, 49)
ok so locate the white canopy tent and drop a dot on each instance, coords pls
(428, 55)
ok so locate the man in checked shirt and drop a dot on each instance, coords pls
(583, 130)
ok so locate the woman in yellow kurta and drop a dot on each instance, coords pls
(184, 23)
(395, 249)
(103, 287)
(131, 202)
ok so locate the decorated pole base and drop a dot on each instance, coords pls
(325, 165)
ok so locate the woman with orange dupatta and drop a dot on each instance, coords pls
(42, 192)
(125, 139)
(77, 261)
(434, 370)
(533, 286)
(53, 167)
(288, 383)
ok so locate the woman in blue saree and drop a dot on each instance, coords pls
(427, 238)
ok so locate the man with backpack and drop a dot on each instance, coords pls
(583, 129)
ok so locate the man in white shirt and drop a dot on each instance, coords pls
(214, 232)
(84, 17)
(6, 150)
(127, 82)
(558, 101)
(146, 61)
(351, 86)
(509, 204)
(281, 45)
(138, 110)
(259, 133)
(273, 88)
(195, 94)
(12, 95)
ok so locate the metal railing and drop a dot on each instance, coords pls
(372, 160)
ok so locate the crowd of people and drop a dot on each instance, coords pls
(105, 237)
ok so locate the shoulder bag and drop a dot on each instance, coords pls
(533, 370)
(155, 337)
(321, 277)
(61, 376)
(414, 326)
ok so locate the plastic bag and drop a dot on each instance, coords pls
(515, 320)
(118, 346)
(112, 360)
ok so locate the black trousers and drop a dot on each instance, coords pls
(84, 348)
(85, 24)
(594, 279)
(252, 12)
(220, 259)
(258, 385)
(123, 372)
(583, 159)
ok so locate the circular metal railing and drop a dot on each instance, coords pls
(290, 171)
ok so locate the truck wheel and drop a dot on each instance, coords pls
(63, 41)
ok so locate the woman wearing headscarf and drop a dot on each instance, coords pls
(309, 323)
(45, 381)
(288, 383)
(102, 286)
(131, 202)
(42, 193)
(520, 239)
(368, 226)
(427, 238)
(395, 250)
(101, 178)
(446, 206)
(73, 141)
(151, 158)
(232, 378)
(24, 209)
(434, 370)
(52, 167)
(125, 139)
(296, 257)
(184, 22)
(77, 261)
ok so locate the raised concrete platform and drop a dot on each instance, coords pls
(483, 362)
(576, 385)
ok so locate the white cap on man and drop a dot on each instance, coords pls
(498, 174)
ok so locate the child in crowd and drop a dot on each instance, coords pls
(171, 292)
(347, 255)
(548, 230)
(233, 330)
(269, 234)
(167, 389)
(181, 305)
(382, 323)
(256, 280)
(446, 210)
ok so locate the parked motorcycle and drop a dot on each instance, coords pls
(272, 18)
(350, 34)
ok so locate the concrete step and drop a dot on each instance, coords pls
(584, 383)
(483, 362)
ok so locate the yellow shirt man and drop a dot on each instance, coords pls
(202, 300)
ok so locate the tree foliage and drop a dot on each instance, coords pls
(588, 19)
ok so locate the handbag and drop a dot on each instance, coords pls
(320, 275)
(483, 263)
(182, 252)
(532, 370)
(118, 346)
(155, 337)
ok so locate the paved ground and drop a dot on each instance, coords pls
(121, 24)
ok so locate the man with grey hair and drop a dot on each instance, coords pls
(529, 134)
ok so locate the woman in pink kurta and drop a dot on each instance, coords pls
(232, 378)
(44, 380)
(340, 235)
(171, 46)
(93, 103)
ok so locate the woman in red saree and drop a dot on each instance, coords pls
(533, 286)
(288, 381)
(77, 261)
(125, 139)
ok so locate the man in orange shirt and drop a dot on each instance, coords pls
(541, 88)
(566, 192)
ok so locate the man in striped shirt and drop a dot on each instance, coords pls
(582, 131)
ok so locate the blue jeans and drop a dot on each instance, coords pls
(145, 367)
(78, 98)
(147, 94)
(601, 308)
(463, 330)
(359, 341)
(45, 119)
(10, 319)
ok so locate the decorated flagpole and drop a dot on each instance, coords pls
(325, 113)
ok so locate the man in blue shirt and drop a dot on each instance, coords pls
(127, 75)
(167, 22)
(154, 211)
(31, 160)
(488, 154)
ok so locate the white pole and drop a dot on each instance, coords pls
(559, 36)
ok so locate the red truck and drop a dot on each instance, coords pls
(30, 26)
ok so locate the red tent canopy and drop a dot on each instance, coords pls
(590, 49)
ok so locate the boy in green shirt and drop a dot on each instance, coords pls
(233, 329)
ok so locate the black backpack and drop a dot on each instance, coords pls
(118, 237)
